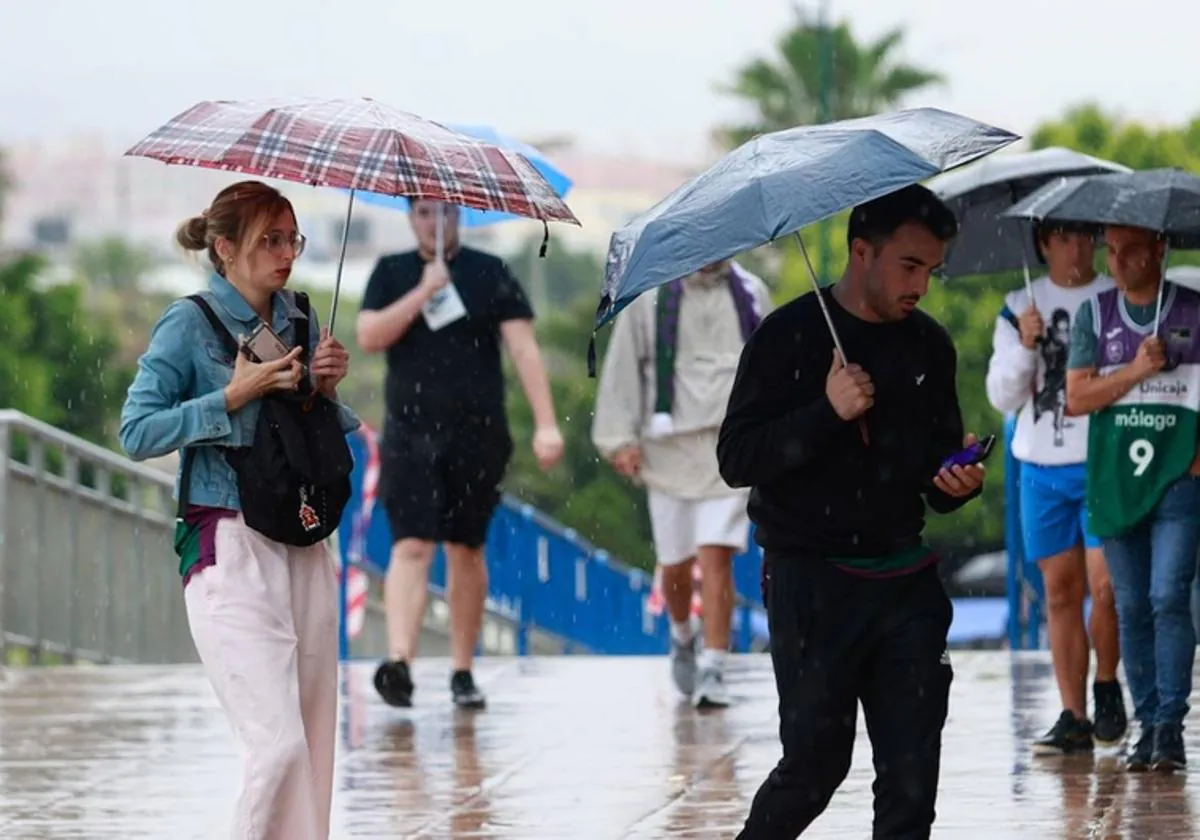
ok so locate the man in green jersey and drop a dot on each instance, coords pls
(1136, 372)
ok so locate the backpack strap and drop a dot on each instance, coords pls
(218, 326)
(301, 300)
(227, 341)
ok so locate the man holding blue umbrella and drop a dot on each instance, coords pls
(844, 423)
(857, 611)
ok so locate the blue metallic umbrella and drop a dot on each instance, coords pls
(778, 183)
(469, 217)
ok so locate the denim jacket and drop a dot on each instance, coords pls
(177, 398)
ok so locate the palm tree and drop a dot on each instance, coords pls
(786, 89)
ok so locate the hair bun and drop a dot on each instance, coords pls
(192, 235)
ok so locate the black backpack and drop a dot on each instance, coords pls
(294, 480)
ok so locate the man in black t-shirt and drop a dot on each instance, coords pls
(842, 461)
(446, 442)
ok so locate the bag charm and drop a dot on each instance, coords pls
(308, 516)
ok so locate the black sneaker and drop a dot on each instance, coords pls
(464, 692)
(1110, 723)
(1143, 752)
(1068, 735)
(1168, 755)
(394, 683)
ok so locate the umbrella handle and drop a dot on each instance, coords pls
(837, 340)
(337, 283)
(1162, 284)
(1028, 284)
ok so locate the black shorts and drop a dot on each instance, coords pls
(439, 488)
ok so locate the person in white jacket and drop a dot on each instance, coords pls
(1027, 375)
(663, 391)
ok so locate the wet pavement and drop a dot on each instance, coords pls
(571, 747)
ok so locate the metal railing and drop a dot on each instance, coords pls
(85, 537)
(88, 570)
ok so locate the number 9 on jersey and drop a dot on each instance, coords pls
(1141, 452)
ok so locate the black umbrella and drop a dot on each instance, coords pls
(1163, 200)
(979, 194)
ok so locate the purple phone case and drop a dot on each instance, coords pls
(966, 456)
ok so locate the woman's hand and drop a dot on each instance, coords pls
(252, 380)
(330, 363)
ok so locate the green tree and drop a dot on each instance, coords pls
(1089, 129)
(57, 360)
(114, 264)
(786, 89)
(582, 491)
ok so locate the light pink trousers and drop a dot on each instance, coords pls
(264, 620)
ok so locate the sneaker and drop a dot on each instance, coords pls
(1068, 735)
(394, 683)
(464, 692)
(1110, 724)
(683, 664)
(711, 692)
(1168, 755)
(1143, 752)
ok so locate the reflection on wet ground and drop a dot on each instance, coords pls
(570, 748)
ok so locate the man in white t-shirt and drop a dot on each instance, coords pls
(1027, 375)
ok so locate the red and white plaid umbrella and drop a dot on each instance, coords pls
(355, 144)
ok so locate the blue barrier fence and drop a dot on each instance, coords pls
(546, 577)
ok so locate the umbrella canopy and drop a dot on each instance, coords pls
(359, 145)
(355, 144)
(777, 183)
(1163, 200)
(471, 217)
(979, 194)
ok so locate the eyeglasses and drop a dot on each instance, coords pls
(276, 240)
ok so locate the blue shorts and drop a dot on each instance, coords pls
(1054, 510)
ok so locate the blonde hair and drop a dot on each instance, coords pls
(240, 213)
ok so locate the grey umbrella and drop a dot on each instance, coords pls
(1163, 200)
(979, 194)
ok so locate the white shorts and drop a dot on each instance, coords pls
(681, 526)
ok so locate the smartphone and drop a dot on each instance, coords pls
(976, 453)
(264, 345)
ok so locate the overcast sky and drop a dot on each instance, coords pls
(634, 76)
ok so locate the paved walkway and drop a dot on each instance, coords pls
(571, 747)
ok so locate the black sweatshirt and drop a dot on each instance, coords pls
(817, 489)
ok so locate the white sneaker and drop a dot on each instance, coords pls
(711, 693)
